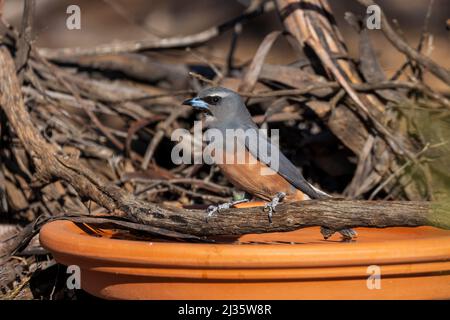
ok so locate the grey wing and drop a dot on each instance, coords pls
(272, 156)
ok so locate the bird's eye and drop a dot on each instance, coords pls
(212, 100)
(215, 99)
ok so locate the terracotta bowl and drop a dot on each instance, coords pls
(414, 263)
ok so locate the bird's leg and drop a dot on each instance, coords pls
(213, 209)
(347, 234)
(270, 206)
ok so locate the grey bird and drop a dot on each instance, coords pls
(225, 109)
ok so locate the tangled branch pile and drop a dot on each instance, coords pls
(87, 130)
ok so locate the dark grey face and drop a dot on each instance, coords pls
(221, 103)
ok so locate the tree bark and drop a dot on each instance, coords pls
(51, 163)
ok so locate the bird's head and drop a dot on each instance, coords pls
(221, 103)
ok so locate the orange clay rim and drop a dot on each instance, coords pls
(65, 238)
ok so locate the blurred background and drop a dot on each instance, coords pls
(103, 21)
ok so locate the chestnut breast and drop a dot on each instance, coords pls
(248, 176)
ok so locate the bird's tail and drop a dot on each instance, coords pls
(319, 194)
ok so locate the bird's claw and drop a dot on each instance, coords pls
(347, 234)
(227, 205)
(213, 209)
(270, 207)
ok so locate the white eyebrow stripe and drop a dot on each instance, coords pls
(220, 94)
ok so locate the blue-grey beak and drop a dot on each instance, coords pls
(197, 103)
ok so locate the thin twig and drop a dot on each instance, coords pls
(412, 54)
(149, 44)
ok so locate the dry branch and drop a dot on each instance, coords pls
(406, 49)
(24, 43)
(52, 163)
(358, 120)
(166, 43)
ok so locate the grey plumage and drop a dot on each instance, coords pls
(228, 111)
